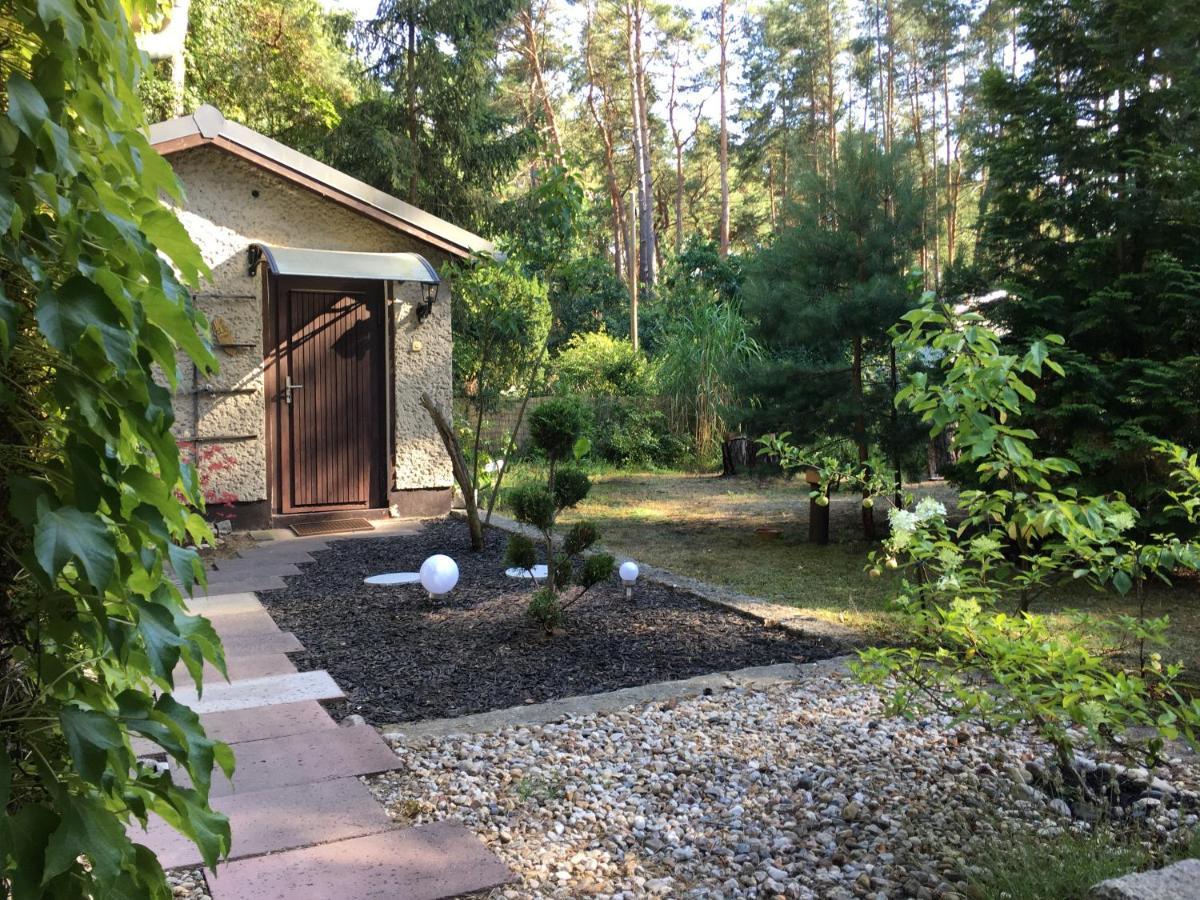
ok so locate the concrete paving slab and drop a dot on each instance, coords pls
(239, 668)
(259, 723)
(212, 604)
(242, 623)
(280, 819)
(426, 863)
(305, 758)
(259, 564)
(261, 692)
(237, 584)
(238, 726)
(249, 645)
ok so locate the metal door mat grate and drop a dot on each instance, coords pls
(333, 527)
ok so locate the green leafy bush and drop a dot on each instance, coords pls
(95, 502)
(533, 504)
(597, 365)
(520, 553)
(571, 487)
(978, 650)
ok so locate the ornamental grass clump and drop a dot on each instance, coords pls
(556, 429)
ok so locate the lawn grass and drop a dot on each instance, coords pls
(703, 526)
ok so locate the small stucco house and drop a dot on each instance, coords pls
(330, 318)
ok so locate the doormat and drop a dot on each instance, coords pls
(334, 527)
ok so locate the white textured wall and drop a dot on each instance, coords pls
(224, 217)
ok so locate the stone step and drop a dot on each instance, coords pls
(250, 645)
(254, 724)
(426, 863)
(305, 758)
(280, 819)
(272, 689)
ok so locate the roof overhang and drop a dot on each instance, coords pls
(344, 264)
(207, 127)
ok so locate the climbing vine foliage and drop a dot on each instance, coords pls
(95, 315)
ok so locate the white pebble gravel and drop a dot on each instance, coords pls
(802, 790)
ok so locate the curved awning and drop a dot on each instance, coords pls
(344, 264)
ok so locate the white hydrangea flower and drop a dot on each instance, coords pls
(929, 508)
(902, 519)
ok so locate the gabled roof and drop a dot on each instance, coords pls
(207, 127)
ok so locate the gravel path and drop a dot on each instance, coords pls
(401, 657)
(803, 790)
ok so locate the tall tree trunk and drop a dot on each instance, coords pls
(641, 141)
(411, 89)
(534, 58)
(632, 256)
(723, 43)
(610, 168)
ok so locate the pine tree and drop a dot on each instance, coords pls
(433, 131)
(824, 296)
(1091, 223)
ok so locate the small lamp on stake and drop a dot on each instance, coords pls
(629, 574)
(439, 575)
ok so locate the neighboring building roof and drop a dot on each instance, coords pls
(207, 127)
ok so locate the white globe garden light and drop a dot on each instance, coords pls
(629, 574)
(439, 575)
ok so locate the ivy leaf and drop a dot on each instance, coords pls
(186, 564)
(90, 735)
(66, 534)
(156, 625)
(51, 11)
(168, 235)
(8, 323)
(29, 831)
(66, 314)
(88, 827)
(26, 107)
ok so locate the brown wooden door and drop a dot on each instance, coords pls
(331, 429)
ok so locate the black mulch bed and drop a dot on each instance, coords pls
(401, 657)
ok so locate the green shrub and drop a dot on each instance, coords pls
(545, 609)
(571, 487)
(520, 553)
(555, 426)
(597, 365)
(556, 433)
(533, 505)
(632, 433)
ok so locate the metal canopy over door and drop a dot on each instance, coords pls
(329, 405)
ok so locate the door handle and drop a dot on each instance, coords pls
(289, 387)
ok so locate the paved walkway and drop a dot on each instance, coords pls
(304, 826)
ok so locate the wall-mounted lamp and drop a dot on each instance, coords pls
(425, 307)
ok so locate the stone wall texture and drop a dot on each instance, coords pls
(230, 204)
